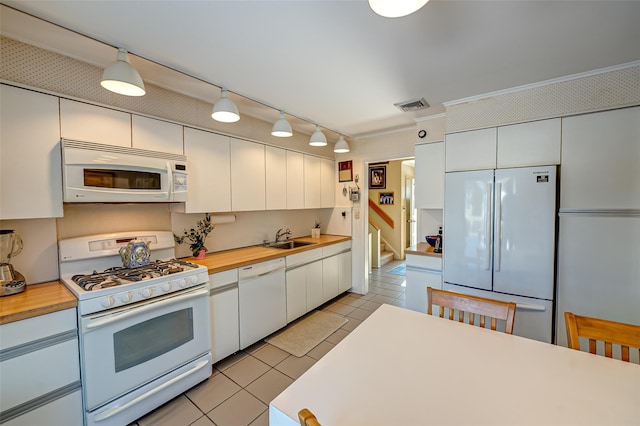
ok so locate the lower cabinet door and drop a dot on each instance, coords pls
(296, 293)
(418, 279)
(63, 411)
(330, 277)
(225, 330)
(313, 272)
(344, 270)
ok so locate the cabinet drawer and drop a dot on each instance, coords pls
(34, 374)
(303, 257)
(336, 248)
(223, 278)
(424, 262)
(21, 332)
(63, 411)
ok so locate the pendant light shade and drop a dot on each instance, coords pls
(396, 8)
(225, 110)
(282, 128)
(318, 138)
(120, 77)
(341, 146)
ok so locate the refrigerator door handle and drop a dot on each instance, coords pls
(538, 308)
(498, 236)
(488, 225)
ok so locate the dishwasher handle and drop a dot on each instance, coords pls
(261, 269)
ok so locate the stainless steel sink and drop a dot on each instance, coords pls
(288, 245)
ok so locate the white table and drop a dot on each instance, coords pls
(401, 367)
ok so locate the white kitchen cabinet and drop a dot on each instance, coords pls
(223, 305)
(40, 370)
(429, 176)
(209, 167)
(422, 272)
(345, 281)
(472, 150)
(247, 176)
(295, 181)
(529, 144)
(30, 164)
(296, 293)
(315, 283)
(327, 183)
(276, 178)
(312, 182)
(156, 135)
(330, 277)
(90, 123)
(601, 161)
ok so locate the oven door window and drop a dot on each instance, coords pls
(147, 340)
(121, 179)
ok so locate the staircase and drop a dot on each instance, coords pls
(385, 256)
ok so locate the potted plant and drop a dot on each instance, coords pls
(196, 236)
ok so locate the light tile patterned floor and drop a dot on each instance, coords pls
(241, 386)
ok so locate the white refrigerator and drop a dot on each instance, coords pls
(499, 241)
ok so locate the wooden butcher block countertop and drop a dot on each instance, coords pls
(230, 259)
(422, 249)
(37, 299)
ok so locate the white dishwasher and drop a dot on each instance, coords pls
(262, 300)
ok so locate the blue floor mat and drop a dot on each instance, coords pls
(398, 270)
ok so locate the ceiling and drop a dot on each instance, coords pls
(336, 63)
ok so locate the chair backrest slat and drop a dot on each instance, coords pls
(473, 306)
(600, 330)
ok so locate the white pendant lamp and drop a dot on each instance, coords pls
(225, 110)
(341, 146)
(282, 128)
(120, 77)
(318, 138)
(396, 8)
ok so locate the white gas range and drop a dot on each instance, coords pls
(144, 331)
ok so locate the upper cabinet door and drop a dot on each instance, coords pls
(429, 176)
(90, 123)
(209, 167)
(529, 144)
(312, 181)
(601, 160)
(473, 150)
(247, 176)
(30, 164)
(156, 135)
(295, 181)
(328, 183)
(276, 178)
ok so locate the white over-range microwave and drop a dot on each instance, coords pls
(97, 173)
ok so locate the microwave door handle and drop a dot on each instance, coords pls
(142, 309)
(115, 410)
(169, 181)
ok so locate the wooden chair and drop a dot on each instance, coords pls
(473, 305)
(609, 332)
(307, 418)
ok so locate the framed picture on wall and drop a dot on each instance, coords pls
(345, 171)
(378, 177)
(385, 198)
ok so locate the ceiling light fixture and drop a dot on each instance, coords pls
(282, 128)
(341, 146)
(120, 77)
(318, 138)
(225, 110)
(396, 8)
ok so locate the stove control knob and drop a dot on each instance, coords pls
(193, 279)
(166, 287)
(126, 297)
(182, 283)
(108, 302)
(147, 292)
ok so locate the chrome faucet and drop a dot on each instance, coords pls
(281, 233)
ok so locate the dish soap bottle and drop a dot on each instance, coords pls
(438, 246)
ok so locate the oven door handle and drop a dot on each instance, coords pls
(138, 310)
(115, 410)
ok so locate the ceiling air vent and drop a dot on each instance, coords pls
(413, 105)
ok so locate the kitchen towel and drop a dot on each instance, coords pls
(307, 333)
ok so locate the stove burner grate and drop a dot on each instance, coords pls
(120, 275)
